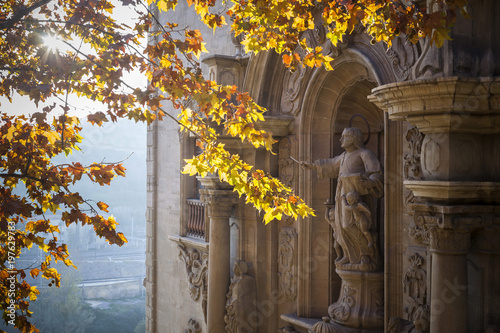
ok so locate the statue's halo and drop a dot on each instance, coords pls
(366, 122)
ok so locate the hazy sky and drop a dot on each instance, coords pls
(78, 106)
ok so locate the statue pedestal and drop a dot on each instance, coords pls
(361, 302)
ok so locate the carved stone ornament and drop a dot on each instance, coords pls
(430, 61)
(290, 97)
(241, 300)
(285, 163)
(457, 240)
(323, 326)
(403, 55)
(361, 300)
(197, 272)
(286, 171)
(286, 329)
(420, 324)
(419, 228)
(341, 311)
(193, 326)
(412, 165)
(287, 264)
(414, 286)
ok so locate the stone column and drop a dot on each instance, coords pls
(220, 201)
(449, 280)
(459, 186)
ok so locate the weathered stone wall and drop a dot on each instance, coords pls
(169, 306)
(433, 233)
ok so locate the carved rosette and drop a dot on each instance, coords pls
(414, 286)
(286, 264)
(197, 273)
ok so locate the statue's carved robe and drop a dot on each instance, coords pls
(358, 171)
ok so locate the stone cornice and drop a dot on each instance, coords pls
(461, 105)
(190, 242)
(465, 191)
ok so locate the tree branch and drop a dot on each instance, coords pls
(22, 12)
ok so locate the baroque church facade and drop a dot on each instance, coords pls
(418, 251)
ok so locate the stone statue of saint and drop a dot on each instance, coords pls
(241, 300)
(359, 184)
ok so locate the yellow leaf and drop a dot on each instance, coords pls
(10, 133)
(51, 136)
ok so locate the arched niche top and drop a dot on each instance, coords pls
(355, 101)
(333, 97)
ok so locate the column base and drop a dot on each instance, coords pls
(361, 302)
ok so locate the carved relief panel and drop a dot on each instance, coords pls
(197, 274)
(287, 262)
(291, 96)
(412, 167)
(286, 168)
(414, 284)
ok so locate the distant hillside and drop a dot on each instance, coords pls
(114, 142)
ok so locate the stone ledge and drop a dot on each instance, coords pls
(446, 190)
(198, 244)
(305, 323)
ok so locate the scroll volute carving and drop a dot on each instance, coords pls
(197, 274)
(419, 229)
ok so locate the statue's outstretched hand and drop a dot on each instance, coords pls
(306, 165)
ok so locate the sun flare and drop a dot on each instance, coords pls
(54, 43)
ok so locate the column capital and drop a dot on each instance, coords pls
(448, 228)
(456, 241)
(219, 202)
